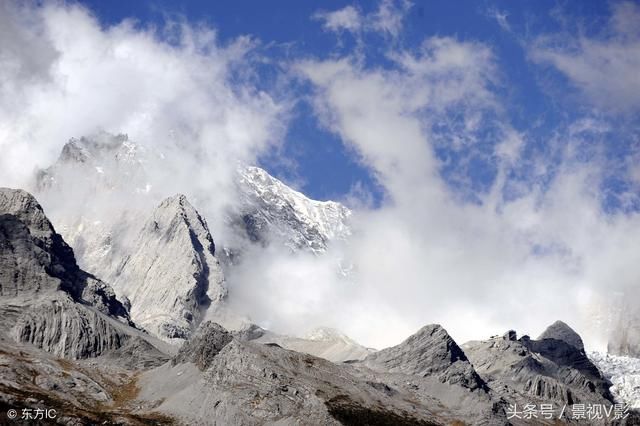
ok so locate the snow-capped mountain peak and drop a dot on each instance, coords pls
(271, 207)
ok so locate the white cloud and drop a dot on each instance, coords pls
(64, 75)
(389, 16)
(345, 19)
(387, 19)
(428, 256)
(501, 18)
(604, 68)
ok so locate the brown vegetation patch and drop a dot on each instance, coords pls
(351, 413)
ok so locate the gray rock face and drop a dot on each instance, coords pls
(35, 260)
(172, 275)
(575, 367)
(561, 331)
(203, 346)
(548, 370)
(47, 301)
(429, 352)
(67, 329)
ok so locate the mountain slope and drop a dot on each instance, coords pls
(172, 275)
(55, 321)
(429, 352)
(37, 261)
(46, 299)
(236, 382)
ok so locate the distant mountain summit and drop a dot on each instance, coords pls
(103, 161)
(269, 209)
(94, 174)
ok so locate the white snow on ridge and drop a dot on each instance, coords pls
(283, 207)
(624, 373)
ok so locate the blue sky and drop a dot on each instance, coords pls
(537, 98)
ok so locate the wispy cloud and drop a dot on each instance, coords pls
(500, 17)
(387, 19)
(603, 67)
(346, 19)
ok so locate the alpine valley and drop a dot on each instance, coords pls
(116, 307)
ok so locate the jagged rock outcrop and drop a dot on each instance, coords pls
(548, 370)
(429, 352)
(203, 346)
(172, 276)
(561, 331)
(36, 260)
(46, 300)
